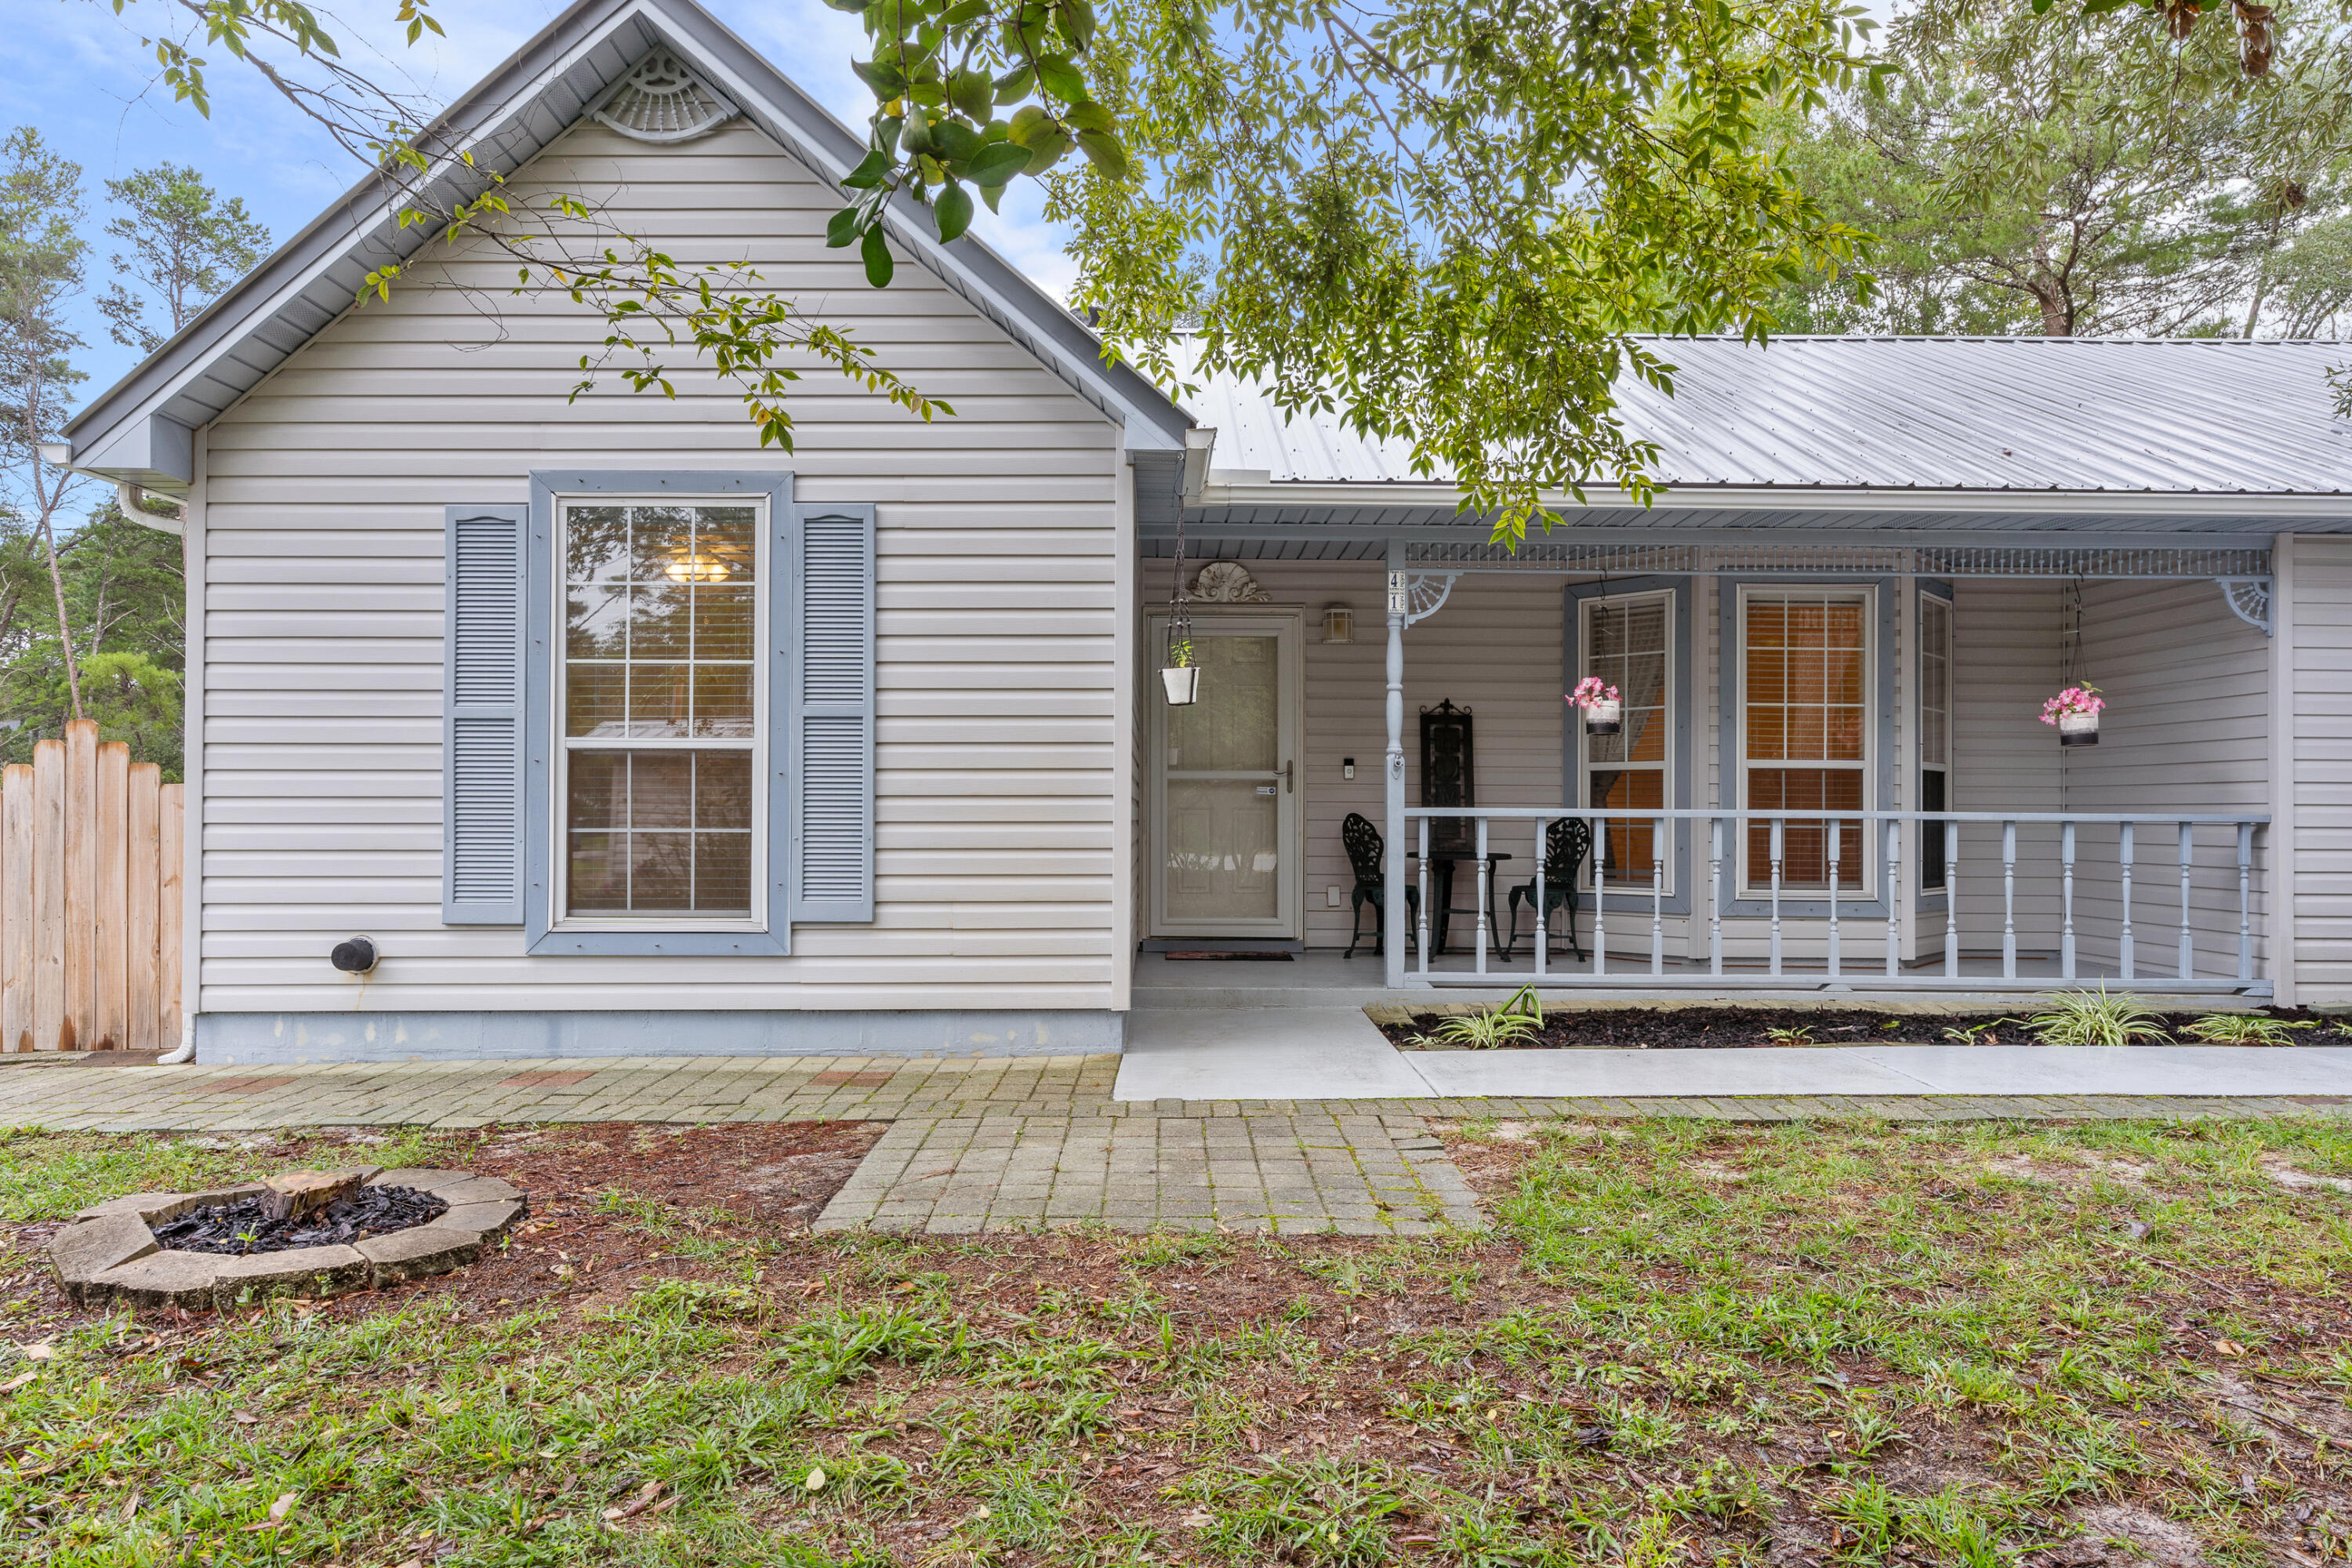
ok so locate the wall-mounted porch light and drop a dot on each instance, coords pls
(1338, 623)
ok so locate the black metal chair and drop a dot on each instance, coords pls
(1566, 845)
(1366, 854)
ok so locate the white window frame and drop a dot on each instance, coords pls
(561, 745)
(1667, 769)
(1755, 881)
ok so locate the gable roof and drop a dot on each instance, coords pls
(138, 430)
(2028, 419)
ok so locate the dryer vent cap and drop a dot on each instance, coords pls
(356, 957)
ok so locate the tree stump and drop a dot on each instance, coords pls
(292, 1193)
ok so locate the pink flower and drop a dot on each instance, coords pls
(2083, 700)
(1591, 691)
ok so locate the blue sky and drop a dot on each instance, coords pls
(94, 94)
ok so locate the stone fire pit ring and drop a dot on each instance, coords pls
(108, 1253)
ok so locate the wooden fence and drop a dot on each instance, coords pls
(89, 899)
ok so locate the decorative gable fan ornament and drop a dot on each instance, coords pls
(662, 100)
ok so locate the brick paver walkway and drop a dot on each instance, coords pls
(1308, 1171)
(979, 1143)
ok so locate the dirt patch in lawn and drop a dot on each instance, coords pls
(1731, 1392)
(1748, 1029)
(609, 1201)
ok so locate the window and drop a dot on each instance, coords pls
(1627, 643)
(1935, 730)
(659, 686)
(1805, 726)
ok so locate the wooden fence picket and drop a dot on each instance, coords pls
(89, 899)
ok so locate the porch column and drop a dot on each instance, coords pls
(1392, 874)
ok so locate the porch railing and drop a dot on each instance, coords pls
(1773, 896)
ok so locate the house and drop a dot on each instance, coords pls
(616, 732)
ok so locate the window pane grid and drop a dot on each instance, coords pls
(1806, 701)
(1625, 645)
(660, 687)
(1934, 731)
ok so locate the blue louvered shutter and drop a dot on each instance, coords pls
(832, 714)
(481, 725)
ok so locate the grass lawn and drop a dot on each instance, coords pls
(1683, 1341)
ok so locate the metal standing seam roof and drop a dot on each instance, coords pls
(2181, 417)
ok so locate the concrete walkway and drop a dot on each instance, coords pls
(1307, 1120)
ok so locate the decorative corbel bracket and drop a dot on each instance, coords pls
(2249, 599)
(1417, 596)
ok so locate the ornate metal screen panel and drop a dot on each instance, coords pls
(1850, 559)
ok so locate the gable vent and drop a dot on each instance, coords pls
(662, 100)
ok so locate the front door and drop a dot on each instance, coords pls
(1225, 784)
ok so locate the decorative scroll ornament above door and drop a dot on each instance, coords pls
(662, 100)
(1227, 582)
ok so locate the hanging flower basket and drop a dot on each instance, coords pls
(1179, 674)
(1604, 711)
(2076, 714)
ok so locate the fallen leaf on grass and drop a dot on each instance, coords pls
(245, 1417)
(17, 1382)
(638, 1504)
(43, 1350)
(2229, 1347)
(278, 1512)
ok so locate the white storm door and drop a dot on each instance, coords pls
(1224, 779)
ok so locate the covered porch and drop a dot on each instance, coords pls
(1829, 772)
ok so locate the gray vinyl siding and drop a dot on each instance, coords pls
(322, 555)
(2004, 666)
(2186, 729)
(2321, 667)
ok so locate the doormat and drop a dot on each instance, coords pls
(1255, 954)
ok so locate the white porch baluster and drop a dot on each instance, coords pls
(2245, 918)
(1658, 897)
(2187, 937)
(1600, 895)
(2066, 901)
(1715, 897)
(2124, 862)
(2008, 901)
(1483, 933)
(1951, 901)
(1894, 891)
(1825, 917)
(1422, 918)
(1543, 937)
(1835, 833)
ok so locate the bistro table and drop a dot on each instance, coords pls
(1442, 862)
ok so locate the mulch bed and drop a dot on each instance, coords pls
(244, 1227)
(1746, 1028)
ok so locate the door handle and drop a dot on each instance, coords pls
(1288, 784)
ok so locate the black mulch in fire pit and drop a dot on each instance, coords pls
(242, 1227)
